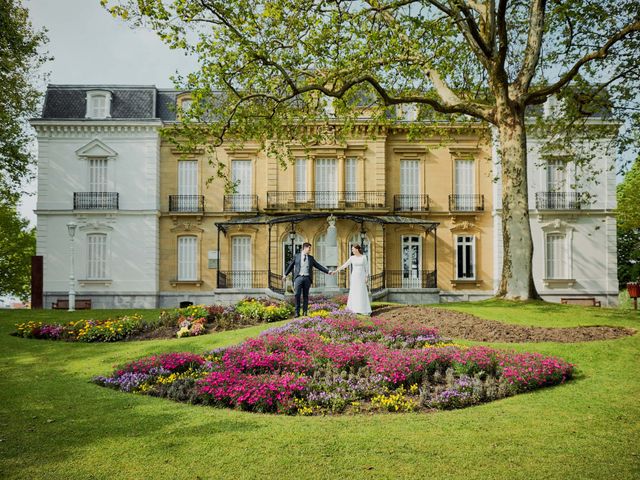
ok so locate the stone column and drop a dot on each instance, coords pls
(331, 257)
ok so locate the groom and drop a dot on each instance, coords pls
(302, 266)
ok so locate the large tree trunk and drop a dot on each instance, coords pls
(517, 276)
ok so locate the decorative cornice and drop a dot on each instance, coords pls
(464, 151)
(82, 128)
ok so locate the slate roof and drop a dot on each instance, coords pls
(138, 102)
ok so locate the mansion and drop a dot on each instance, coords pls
(152, 227)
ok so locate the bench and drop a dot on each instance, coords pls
(63, 304)
(584, 301)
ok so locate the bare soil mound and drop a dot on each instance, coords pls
(454, 324)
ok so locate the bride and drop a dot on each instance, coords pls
(358, 301)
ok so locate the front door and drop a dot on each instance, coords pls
(411, 261)
(241, 262)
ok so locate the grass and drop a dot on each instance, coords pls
(54, 424)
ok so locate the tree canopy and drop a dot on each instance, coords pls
(628, 194)
(267, 67)
(17, 245)
(19, 62)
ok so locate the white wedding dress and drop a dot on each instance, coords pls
(358, 301)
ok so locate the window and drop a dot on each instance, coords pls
(98, 175)
(97, 256)
(556, 252)
(350, 179)
(409, 184)
(187, 258)
(98, 104)
(301, 180)
(241, 174)
(241, 262)
(556, 176)
(188, 200)
(326, 183)
(464, 185)
(185, 105)
(465, 257)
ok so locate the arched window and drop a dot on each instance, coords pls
(356, 239)
(288, 251)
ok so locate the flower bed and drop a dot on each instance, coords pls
(106, 330)
(342, 363)
(181, 322)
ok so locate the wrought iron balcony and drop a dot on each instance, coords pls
(466, 203)
(411, 279)
(559, 200)
(186, 203)
(325, 200)
(240, 203)
(411, 203)
(95, 201)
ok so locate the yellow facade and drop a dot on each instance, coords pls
(369, 173)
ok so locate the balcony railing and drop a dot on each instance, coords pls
(466, 203)
(377, 282)
(307, 200)
(410, 279)
(244, 279)
(95, 200)
(559, 200)
(186, 203)
(411, 203)
(240, 203)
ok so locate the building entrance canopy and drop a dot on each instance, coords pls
(381, 219)
(379, 281)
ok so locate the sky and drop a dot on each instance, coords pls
(89, 46)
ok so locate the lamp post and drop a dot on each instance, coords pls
(292, 237)
(71, 228)
(363, 235)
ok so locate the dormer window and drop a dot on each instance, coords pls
(185, 105)
(98, 104)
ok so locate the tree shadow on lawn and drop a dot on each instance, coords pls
(51, 422)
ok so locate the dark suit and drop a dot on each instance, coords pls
(301, 283)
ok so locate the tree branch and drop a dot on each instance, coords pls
(503, 41)
(541, 94)
(533, 48)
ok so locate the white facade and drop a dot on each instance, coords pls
(103, 176)
(572, 222)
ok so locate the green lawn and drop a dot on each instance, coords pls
(55, 424)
